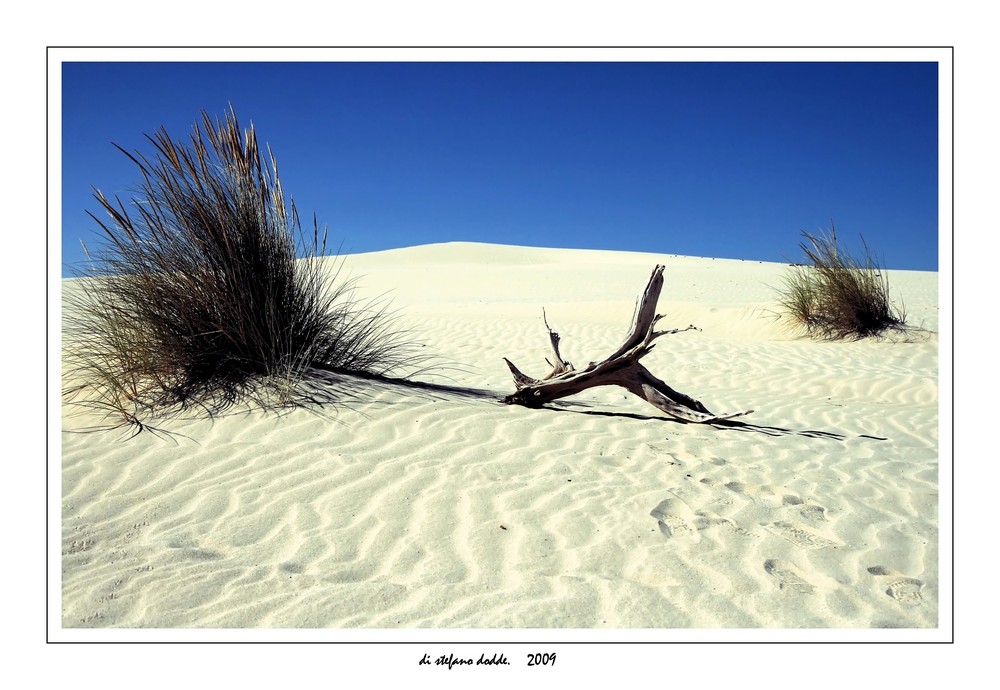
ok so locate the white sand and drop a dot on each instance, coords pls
(413, 510)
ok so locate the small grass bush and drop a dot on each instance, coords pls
(205, 292)
(837, 296)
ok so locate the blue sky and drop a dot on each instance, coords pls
(729, 160)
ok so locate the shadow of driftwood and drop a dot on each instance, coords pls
(781, 431)
(723, 425)
(443, 392)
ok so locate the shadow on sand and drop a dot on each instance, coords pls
(444, 392)
(722, 425)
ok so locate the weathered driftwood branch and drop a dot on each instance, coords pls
(621, 368)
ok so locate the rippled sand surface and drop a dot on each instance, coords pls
(409, 508)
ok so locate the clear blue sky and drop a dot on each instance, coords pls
(728, 160)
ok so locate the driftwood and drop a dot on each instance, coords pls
(621, 368)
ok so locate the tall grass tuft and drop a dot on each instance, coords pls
(837, 296)
(205, 292)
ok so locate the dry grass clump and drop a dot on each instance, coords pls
(200, 297)
(837, 296)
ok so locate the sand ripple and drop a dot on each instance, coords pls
(407, 509)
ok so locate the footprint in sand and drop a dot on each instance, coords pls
(188, 548)
(765, 495)
(716, 519)
(771, 497)
(905, 590)
(676, 519)
(789, 577)
(814, 513)
(799, 536)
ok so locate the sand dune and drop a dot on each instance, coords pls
(410, 508)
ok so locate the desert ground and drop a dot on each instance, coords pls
(442, 508)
